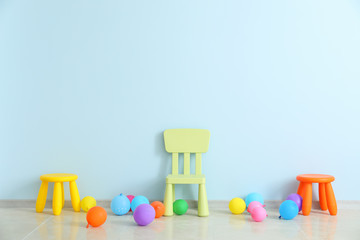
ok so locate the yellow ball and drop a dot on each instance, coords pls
(87, 203)
(237, 206)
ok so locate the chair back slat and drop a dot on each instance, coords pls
(175, 161)
(198, 164)
(186, 163)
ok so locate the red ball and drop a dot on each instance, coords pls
(130, 197)
(159, 208)
(96, 216)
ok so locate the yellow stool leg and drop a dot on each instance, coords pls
(57, 199)
(203, 207)
(62, 191)
(41, 199)
(75, 197)
(168, 200)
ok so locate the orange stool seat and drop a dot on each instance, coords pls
(326, 193)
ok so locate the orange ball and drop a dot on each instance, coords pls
(96, 216)
(159, 208)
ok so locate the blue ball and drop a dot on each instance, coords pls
(254, 197)
(120, 205)
(137, 201)
(288, 209)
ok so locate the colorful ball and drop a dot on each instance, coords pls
(254, 197)
(297, 199)
(254, 204)
(120, 205)
(237, 206)
(144, 214)
(130, 197)
(258, 214)
(288, 209)
(96, 216)
(137, 201)
(180, 207)
(87, 203)
(159, 208)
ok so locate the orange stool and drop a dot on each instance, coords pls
(326, 193)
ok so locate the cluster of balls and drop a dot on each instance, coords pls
(144, 213)
(254, 203)
(291, 206)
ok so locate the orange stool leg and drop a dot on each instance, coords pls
(307, 199)
(330, 198)
(322, 197)
(300, 190)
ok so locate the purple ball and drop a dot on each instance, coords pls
(144, 214)
(297, 199)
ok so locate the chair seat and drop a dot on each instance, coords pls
(315, 178)
(58, 177)
(185, 179)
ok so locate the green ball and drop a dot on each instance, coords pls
(180, 206)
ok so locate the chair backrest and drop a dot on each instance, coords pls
(186, 140)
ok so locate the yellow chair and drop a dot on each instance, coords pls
(186, 141)
(58, 196)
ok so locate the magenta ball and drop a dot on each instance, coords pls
(297, 199)
(254, 204)
(144, 214)
(130, 197)
(258, 214)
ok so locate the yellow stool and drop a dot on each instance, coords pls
(58, 197)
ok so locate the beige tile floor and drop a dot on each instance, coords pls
(25, 223)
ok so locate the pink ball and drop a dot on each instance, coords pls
(130, 197)
(254, 204)
(258, 214)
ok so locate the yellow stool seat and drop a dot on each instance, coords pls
(58, 196)
(58, 177)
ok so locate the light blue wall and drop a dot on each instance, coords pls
(89, 86)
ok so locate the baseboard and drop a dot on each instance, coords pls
(271, 204)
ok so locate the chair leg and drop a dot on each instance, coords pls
(173, 192)
(41, 199)
(322, 197)
(62, 192)
(203, 207)
(330, 199)
(57, 199)
(75, 197)
(300, 190)
(307, 199)
(168, 200)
